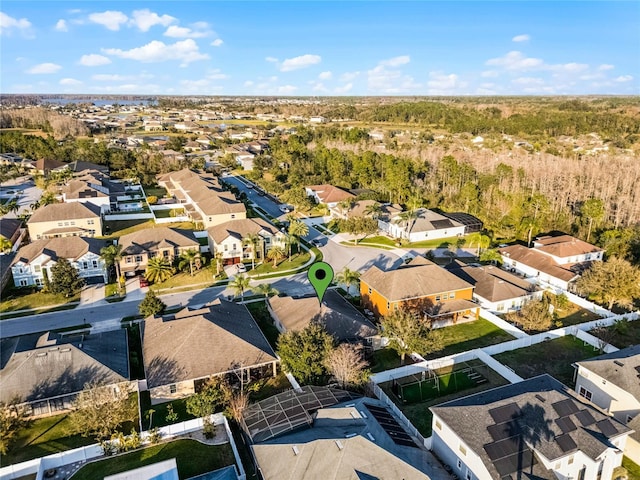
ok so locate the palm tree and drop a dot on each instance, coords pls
(252, 240)
(159, 269)
(374, 210)
(112, 254)
(275, 253)
(239, 284)
(47, 198)
(297, 229)
(407, 219)
(5, 244)
(191, 257)
(345, 206)
(348, 277)
(218, 259)
(482, 241)
(266, 289)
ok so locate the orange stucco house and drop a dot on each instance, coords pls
(420, 286)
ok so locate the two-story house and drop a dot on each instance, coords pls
(425, 224)
(328, 194)
(612, 382)
(204, 199)
(423, 287)
(535, 429)
(228, 239)
(35, 260)
(65, 220)
(557, 261)
(138, 247)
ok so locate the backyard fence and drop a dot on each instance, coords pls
(404, 420)
(502, 324)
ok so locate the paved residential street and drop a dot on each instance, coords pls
(28, 193)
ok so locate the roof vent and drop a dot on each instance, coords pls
(619, 363)
(339, 444)
(295, 450)
(371, 437)
(541, 398)
(364, 415)
(350, 435)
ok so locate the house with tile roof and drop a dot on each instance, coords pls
(65, 220)
(182, 351)
(422, 287)
(204, 199)
(339, 318)
(227, 239)
(612, 382)
(138, 247)
(495, 289)
(556, 260)
(426, 225)
(35, 260)
(535, 429)
(328, 194)
(47, 370)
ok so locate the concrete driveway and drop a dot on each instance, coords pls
(92, 295)
(134, 291)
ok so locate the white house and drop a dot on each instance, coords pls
(537, 428)
(611, 382)
(328, 194)
(33, 260)
(426, 225)
(557, 261)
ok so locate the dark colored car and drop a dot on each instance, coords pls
(143, 282)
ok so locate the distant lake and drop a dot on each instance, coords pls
(97, 102)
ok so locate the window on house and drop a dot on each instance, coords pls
(585, 393)
(138, 258)
(369, 290)
(468, 475)
(629, 418)
(85, 265)
(459, 464)
(452, 295)
(570, 461)
(37, 268)
(388, 305)
(233, 246)
(226, 248)
(95, 264)
(23, 283)
(165, 254)
(173, 388)
(233, 215)
(437, 298)
(438, 425)
(462, 449)
(73, 223)
(66, 224)
(501, 307)
(89, 222)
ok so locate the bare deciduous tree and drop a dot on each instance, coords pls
(347, 365)
(13, 417)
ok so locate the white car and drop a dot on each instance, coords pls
(285, 208)
(241, 268)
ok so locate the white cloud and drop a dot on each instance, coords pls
(217, 42)
(569, 67)
(521, 38)
(110, 19)
(106, 77)
(489, 74)
(444, 84)
(528, 81)
(343, 89)
(271, 59)
(8, 24)
(217, 75)
(287, 89)
(623, 78)
(396, 61)
(61, 25)
(94, 60)
(185, 50)
(175, 31)
(349, 76)
(296, 63)
(325, 76)
(145, 19)
(44, 68)
(605, 66)
(248, 83)
(70, 82)
(516, 61)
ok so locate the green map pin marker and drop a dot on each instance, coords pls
(320, 275)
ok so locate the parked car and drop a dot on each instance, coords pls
(316, 243)
(241, 268)
(285, 208)
(143, 282)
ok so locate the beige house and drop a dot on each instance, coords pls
(140, 246)
(227, 239)
(65, 220)
(611, 381)
(203, 198)
(182, 352)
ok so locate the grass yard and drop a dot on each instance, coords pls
(160, 411)
(271, 386)
(389, 242)
(573, 315)
(468, 336)
(553, 357)
(24, 298)
(117, 228)
(386, 359)
(262, 317)
(266, 268)
(193, 458)
(633, 469)
(154, 191)
(44, 436)
(621, 334)
(182, 279)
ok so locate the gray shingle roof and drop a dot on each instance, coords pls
(195, 344)
(240, 228)
(65, 211)
(70, 248)
(539, 261)
(622, 368)
(533, 402)
(151, 239)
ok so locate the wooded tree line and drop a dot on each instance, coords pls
(59, 126)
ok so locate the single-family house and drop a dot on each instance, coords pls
(73, 219)
(182, 351)
(12, 231)
(35, 259)
(535, 429)
(495, 289)
(228, 239)
(46, 371)
(612, 382)
(138, 247)
(204, 199)
(307, 435)
(328, 194)
(339, 318)
(361, 208)
(423, 287)
(424, 224)
(93, 186)
(557, 261)
(44, 166)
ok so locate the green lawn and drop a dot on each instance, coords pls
(44, 436)
(385, 359)
(159, 417)
(154, 191)
(271, 386)
(389, 242)
(20, 299)
(193, 458)
(265, 322)
(573, 315)
(633, 469)
(266, 268)
(117, 228)
(554, 357)
(622, 334)
(202, 276)
(468, 336)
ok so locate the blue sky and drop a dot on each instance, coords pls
(320, 48)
